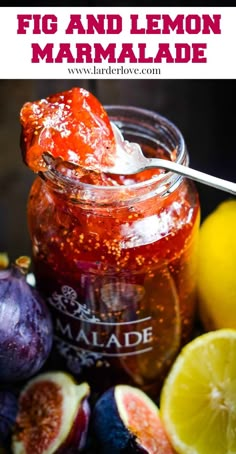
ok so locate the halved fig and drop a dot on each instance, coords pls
(53, 416)
(127, 420)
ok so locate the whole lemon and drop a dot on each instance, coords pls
(217, 268)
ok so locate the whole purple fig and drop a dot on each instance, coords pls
(25, 325)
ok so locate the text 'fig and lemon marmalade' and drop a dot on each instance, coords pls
(114, 255)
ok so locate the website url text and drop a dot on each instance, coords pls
(110, 70)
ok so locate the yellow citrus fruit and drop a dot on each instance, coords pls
(217, 268)
(198, 399)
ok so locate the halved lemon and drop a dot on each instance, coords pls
(198, 399)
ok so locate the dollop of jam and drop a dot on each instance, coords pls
(70, 126)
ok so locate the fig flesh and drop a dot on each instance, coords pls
(26, 331)
(53, 416)
(127, 420)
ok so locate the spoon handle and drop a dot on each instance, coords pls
(193, 174)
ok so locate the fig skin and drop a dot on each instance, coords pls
(26, 331)
(8, 411)
(110, 431)
(127, 421)
(77, 437)
(61, 415)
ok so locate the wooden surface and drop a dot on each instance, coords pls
(201, 110)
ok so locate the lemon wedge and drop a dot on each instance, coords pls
(198, 398)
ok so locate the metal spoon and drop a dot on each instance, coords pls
(201, 177)
(132, 161)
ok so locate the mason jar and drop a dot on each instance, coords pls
(117, 264)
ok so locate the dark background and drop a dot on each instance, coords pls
(204, 110)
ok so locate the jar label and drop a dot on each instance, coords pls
(84, 337)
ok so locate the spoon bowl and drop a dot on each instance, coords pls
(130, 160)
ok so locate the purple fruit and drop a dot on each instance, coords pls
(127, 421)
(53, 415)
(25, 325)
(8, 411)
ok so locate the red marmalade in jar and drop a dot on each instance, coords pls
(116, 260)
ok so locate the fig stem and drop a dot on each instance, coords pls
(4, 260)
(23, 263)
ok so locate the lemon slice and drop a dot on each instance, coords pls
(198, 399)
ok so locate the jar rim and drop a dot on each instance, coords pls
(119, 114)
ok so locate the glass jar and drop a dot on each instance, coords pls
(117, 264)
